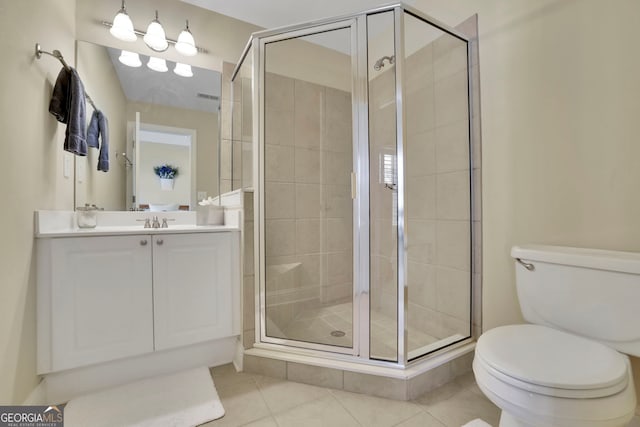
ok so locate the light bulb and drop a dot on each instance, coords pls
(186, 45)
(183, 70)
(157, 64)
(156, 38)
(122, 27)
(130, 59)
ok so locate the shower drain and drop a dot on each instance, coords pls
(337, 333)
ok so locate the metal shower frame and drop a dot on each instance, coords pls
(358, 26)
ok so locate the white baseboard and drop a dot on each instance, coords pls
(60, 387)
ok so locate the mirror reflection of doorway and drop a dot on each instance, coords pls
(157, 146)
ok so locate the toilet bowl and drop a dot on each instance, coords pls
(564, 368)
(540, 376)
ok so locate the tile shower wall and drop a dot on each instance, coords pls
(248, 277)
(438, 190)
(230, 113)
(236, 133)
(308, 220)
(437, 195)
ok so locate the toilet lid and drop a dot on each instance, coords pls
(546, 357)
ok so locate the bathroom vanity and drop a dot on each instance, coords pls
(120, 290)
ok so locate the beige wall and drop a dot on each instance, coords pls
(32, 165)
(328, 68)
(156, 154)
(560, 106)
(107, 190)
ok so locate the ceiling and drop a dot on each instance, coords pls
(144, 85)
(278, 13)
(271, 14)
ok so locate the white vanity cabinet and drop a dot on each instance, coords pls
(94, 300)
(110, 297)
(191, 292)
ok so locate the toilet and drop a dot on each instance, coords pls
(569, 366)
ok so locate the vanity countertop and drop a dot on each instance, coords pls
(51, 224)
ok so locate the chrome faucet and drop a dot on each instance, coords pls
(155, 222)
(147, 222)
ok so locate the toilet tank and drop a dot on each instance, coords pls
(589, 292)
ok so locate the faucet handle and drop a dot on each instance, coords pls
(164, 222)
(147, 222)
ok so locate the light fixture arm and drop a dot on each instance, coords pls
(142, 33)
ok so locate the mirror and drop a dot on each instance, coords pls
(155, 119)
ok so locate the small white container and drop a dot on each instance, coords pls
(210, 215)
(87, 216)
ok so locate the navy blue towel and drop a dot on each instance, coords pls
(68, 106)
(99, 127)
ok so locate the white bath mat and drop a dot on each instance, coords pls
(477, 423)
(184, 399)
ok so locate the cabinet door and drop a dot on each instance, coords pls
(193, 276)
(101, 299)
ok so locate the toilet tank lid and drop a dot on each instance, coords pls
(625, 262)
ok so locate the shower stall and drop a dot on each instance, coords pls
(360, 138)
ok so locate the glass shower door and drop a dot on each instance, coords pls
(308, 289)
(437, 193)
(383, 191)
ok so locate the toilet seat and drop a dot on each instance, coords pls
(549, 362)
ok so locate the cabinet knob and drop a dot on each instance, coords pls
(143, 243)
(160, 242)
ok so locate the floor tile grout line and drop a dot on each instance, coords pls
(284, 380)
(331, 392)
(422, 410)
(419, 407)
(329, 395)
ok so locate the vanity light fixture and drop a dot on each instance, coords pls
(157, 64)
(130, 59)
(155, 37)
(183, 70)
(186, 45)
(122, 27)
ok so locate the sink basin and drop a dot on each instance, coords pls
(164, 208)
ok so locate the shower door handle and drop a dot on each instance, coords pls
(354, 184)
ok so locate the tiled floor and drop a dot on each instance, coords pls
(258, 401)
